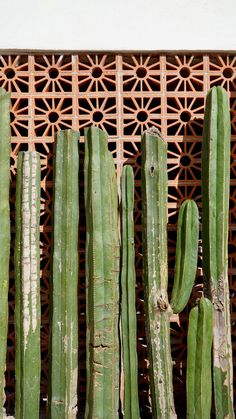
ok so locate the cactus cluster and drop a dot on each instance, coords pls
(111, 348)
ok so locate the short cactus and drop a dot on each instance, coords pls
(199, 346)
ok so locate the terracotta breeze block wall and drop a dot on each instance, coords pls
(123, 94)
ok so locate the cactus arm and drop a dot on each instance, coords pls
(215, 203)
(128, 309)
(4, 230)
(102, 278)
(186, 255)
(199, 387)
(157, 310)
(27, 268)
(63, 306)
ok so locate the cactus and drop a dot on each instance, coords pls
(102, 278)
(215, 205)
(63, 361)
(199, 385)
(4, 230)
(128, 310)
(27, 272)
(186, 255)
(154, 197)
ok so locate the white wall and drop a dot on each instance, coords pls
(118, 24)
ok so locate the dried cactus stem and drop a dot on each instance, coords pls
(102, 278)
(154, 198)
(27, 272)
(63, 361)
(199, 380)
(215, 205)
(4, 230)
(186, 255)
(128, 309)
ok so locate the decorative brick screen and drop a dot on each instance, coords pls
(123, 94)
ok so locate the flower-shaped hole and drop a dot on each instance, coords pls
(141, 72)
(185, 116)
(53, 117)
(185, 72)
(53, 73)
(12, 117)
(142, 116)
(96, 72)
(97, 116)
(228, 72)
(185, 160)
(10, 73)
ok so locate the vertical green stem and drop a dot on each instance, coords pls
(128, 309)
(154, 197)
(27, 273)
(63, 306)
(215, 206)
(199, 385)
(102, 278)
(4, 231)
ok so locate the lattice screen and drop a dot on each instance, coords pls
(123, 94)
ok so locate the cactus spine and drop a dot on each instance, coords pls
(199, 346)
(128, 310)
(63, 307)
(4, 230)
(154, 197)
(102, 278)
(27, 272)
(186, 255)
(215, 204)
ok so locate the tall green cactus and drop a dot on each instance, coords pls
(128, 310)
(102, 278)
(186, 255)
(215, 205)
(154, 198)
(63, 306)
(4, 230)
(199, 346)
(27, 273)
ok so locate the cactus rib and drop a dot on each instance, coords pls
(102, 278)
(215, 205)
(64, 307)
(4, 230)
(186, 255)
(199, 386)
(27, 271)
(128, 310)
(154, 198)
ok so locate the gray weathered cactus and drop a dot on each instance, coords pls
(63, 361)
(4, 230)
(128, 310)
(215, 205)
(199, 382)
(102, 278)
(154, 215)
(27, 274)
